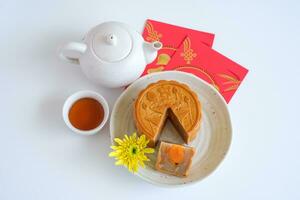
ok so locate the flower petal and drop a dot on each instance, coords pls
(113, 154)
(130, 167)
(148, 150)
(134, 135)
(142, 164)
(135, 168)
(132, 138)
(114, 147)
(142, 157)
(118, 140)
(126, 137)
(141, 140)
(119, 162)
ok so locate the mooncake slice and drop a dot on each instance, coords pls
(167, 100)
(174, 159)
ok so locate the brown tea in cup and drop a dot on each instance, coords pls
(86, 114)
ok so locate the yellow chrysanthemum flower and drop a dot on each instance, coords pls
(130, 152)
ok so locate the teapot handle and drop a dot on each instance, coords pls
(71, 52)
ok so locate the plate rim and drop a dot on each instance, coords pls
(205, 83)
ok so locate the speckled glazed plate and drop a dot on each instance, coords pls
(211, 143)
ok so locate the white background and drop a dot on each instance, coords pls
(42, 159)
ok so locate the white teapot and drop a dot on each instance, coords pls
(112, 54)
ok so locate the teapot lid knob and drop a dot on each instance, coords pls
(111, 42)
(111, 39)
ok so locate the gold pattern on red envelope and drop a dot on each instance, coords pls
(153, 35)
(170, 47)
(163, 59)
(202, 71)
(171, 37)
(233, 82)
(188, 53)
(157, 69)
(222, 73)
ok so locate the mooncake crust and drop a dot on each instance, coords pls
(167, 99)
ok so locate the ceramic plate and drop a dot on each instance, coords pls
(211, 143)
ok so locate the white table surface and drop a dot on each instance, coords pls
(42, 159)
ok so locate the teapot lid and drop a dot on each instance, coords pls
(111, 42)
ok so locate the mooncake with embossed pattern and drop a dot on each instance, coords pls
(167, 100)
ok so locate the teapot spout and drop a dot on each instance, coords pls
(150, 50)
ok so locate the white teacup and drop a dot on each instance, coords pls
(79, 95)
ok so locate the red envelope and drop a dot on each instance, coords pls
(197, 58)
(171, 37)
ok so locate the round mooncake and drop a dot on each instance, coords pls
(167, 100)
